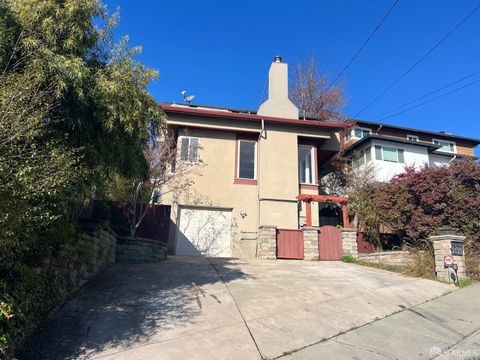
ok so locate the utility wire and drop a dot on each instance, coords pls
(363, 45)
(433, 99)
(419, 60)
(263, 92)
(426, 95)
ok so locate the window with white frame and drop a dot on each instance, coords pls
(412, 138)
(246, 164)
(448, 146)
(361, 157)
(391, 154)
(360, 133)
(189, 148)
(305, 164)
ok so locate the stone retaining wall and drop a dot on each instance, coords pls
(94, 251)
(140, 250)
(395, 258)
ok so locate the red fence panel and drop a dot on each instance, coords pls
(154, 225)
(289, 244)
(363, 245)
(330, 243)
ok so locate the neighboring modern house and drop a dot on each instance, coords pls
(254, 166)
(388, 148)
(261, 169)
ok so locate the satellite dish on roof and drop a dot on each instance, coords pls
(188, 98)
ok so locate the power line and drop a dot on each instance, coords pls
(363, 45)
(433, 99)
(419, 60)
(427, 95)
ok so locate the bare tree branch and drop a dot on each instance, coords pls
(310, 92)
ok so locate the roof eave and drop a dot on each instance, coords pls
(434, 133)
(430, 147)
(249, 117)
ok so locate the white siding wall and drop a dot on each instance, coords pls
(415, 155)
(438, 160)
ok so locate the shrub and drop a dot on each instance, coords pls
(422, 263)
(418, 202)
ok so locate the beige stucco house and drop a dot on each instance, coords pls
(253, 165)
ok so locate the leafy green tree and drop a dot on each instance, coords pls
(75, 113)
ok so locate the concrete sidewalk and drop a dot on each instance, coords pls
(444, 328)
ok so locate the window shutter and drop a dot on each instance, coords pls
(401, 156)
(378, 152)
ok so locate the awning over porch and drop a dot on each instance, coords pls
(308, 198)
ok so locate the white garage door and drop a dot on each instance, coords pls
(204, 232)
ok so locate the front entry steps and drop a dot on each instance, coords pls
(140, 250)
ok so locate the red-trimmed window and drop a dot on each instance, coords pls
(246, 160)
(189, 148)
(306, 157)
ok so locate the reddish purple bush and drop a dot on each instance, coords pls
(418, 202)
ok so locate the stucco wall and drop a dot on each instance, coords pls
(277, 174)
(213, 186)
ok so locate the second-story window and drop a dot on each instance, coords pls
(246, 159)
(412, 137)
(448, 146)
(189, 148)
(305, 164)
(360, 133)
(362, 157)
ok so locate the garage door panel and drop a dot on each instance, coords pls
(204, 232)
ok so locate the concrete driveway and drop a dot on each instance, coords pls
(199, 308)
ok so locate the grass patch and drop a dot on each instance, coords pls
(464, 282)
(392, 268)
(348, 259)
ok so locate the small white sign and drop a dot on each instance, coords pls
(448, 260)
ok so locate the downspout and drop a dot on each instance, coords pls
(379, 128)
(452, 159)
(258, 183)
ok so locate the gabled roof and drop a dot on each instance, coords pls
(364, 140)
(441, 134)
(433, 148)
(236, 114)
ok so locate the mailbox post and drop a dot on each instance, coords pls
(448, 245)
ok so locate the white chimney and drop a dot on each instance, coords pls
(278, 103)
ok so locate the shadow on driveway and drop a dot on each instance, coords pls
(128, 304)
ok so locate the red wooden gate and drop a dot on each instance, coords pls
(289, 244)
(330, 243)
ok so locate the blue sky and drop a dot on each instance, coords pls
(221, 51)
